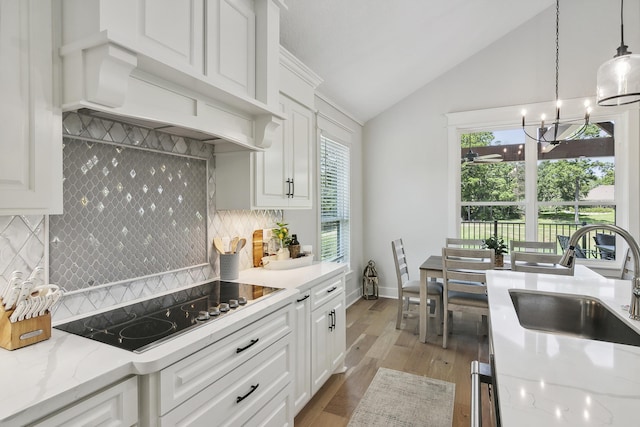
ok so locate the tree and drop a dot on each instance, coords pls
(557, 179)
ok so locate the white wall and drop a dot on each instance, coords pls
(306, 223)
(405, 148)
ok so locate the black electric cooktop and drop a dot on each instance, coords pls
(143, 325)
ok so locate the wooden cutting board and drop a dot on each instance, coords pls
(258, 252)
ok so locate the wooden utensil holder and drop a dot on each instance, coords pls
(23, 333)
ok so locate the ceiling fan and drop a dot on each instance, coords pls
(473, 157)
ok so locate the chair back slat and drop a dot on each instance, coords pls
(402, 269)
(464, 243)
(531, 262)
(627, 266)
(530, 246)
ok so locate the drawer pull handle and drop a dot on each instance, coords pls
(303, 298)
(332, 289)
(241, 349)
(241, 398)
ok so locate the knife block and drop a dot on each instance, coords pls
(23, 333)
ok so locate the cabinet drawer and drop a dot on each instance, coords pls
(189, 376)
(115, 406)
(241, 393)
(323, 292)
(276, 413)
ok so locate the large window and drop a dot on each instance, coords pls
(525, 190)
(334, 200)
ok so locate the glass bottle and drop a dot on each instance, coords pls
(294, 246)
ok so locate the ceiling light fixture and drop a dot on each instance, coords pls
(619, 78)
(557, 132)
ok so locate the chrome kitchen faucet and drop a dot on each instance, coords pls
(569, 257)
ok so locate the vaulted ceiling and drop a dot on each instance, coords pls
(373, 53)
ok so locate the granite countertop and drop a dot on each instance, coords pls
(553, 379)
(54, 373)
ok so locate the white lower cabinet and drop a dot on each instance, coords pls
(241, 394)
(245, 378)
(116, 406)
(302, 379)
(320, 337)
(328, 334)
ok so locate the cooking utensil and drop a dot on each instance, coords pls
(28, 306)
(37, 276)
(217, 243)
(240, 245)
(16, 278)
(12, 297)
(25, 291)
(52, 299)
(233, 244)
(20, 308)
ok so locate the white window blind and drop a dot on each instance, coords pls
(334, 200)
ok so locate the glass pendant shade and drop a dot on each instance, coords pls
(618, 81)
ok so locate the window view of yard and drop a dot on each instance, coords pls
(574, 186)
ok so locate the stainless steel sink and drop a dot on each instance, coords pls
(576, 315)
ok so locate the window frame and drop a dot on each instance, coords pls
(347, 252)
(626, 129)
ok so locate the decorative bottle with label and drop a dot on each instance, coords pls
(294, 246)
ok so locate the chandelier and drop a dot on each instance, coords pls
(557, 131)
(619, 78)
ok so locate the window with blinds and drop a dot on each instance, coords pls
(334, 200)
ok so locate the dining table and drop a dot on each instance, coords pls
(431, 269)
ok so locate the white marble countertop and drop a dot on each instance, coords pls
(547, 379)
(54, 373)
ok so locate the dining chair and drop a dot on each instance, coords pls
(453, 242)
(564, 244)
(536, 262)
(408, 289)
(605, 244)
(465, 290)
(531, 246)
(627, 270)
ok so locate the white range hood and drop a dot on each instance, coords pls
(206, 70)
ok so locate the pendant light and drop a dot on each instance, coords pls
(556, 132)
(619, 78)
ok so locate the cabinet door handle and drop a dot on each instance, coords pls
(241, 398)
(333, 312)
(303, 298)
(330, 320)
(293, 188)
(332, 289)
(289, 192)
(241, 349)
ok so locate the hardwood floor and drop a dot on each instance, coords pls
(373, 342)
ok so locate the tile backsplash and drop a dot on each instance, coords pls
(118, 247)
(127, 213)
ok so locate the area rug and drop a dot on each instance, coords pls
(397, 398)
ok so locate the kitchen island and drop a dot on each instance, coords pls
(66, 370)
(553, 379)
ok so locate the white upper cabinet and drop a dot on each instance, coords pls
(203, 65)
(231, 52)
(286, 168)
(31, 133)
(280, 177)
